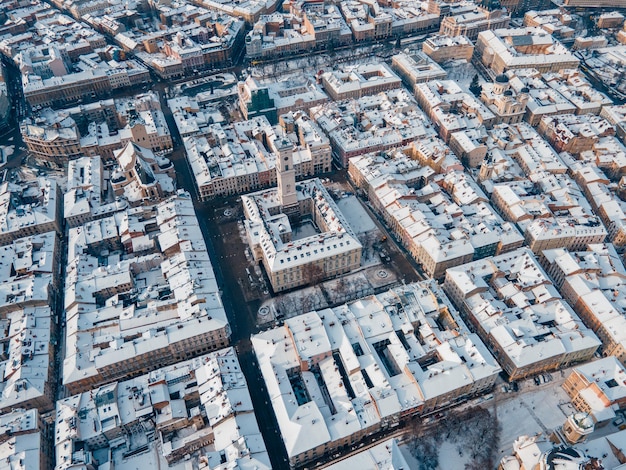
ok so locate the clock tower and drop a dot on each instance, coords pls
(286, 174)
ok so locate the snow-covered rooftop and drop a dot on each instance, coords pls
(337, 372)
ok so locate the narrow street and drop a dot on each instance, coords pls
(399, 256)
(242, 318)
(241, 315)
(12, 136)
(227, 254)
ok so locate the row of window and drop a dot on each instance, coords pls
(316, 251)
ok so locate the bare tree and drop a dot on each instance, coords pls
(475, 432)
(312, 274)
(306, 302)
(291, 306)
(368, 240)
(426, 451)
(341, 289)
(279, 305)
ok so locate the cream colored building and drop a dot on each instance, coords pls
(470, 23)
(427, 220)
(597, 388)
(416, 68)
(593, 282)
(545, 212)
(29, 208)
(512, 305)
(196, 410)
(141, 176)
(242, 157)
(441, 47)
(469, 146)
(55, 135)
(291, 261)
(354, 83)
(158, 262)
(521, 48)
(508, 105)
(611, 19)
(382, 359)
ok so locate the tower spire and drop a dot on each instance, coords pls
(286, 174)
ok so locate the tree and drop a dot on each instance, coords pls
(342, 289)
(475, 87)
(312, 274)
(306, 303)
(426, 451)
(279, 305)
(369, 239)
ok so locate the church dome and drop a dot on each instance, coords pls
(502, 78)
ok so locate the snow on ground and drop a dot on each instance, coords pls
(304, 230)
(347, 288)
(7, 150)
(302, 301)
(515, 421)
(449, 457)
(358, 219)
(27, 173)
(462, 72)
(406, 453)
(535, 409)
(343, 289)
(381, 277)
(370, 258)
(541, 409)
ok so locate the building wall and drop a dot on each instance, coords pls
(443, 54)
(58, 150)
(451, 27)
(154, 359)
(513, 370)
(68, 93)
(315, 271)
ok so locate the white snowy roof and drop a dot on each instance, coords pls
(176, 297)
(519, 308)
(367, 356)
(214, 380)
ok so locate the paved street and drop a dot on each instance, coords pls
(400, 260)
(220, 239)
(11, 136)
(242, 316)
